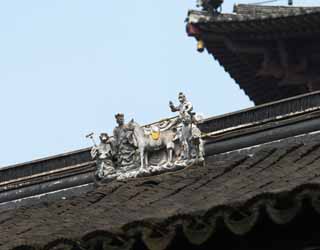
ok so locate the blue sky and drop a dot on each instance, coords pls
(66, 67)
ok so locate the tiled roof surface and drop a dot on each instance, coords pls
(245, 13)
(151, 209)
(68, 173)
(261, 11)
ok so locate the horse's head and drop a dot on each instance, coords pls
(135, 128)
(132, 125)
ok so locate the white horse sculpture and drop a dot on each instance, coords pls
(146, 142)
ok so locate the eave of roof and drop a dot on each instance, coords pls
(255, 24)
(245, 12)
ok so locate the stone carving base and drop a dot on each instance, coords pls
(152, 170)
(141, 151)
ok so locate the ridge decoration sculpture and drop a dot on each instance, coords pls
(136, 151)
(210, 5)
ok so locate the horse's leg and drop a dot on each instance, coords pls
(189, 148)
(142, 158)
(146, 156)
(197, 149)
(170, 152)
(183, 150)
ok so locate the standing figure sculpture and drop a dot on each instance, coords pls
(124, 143)
(103, 154)
(188, 133)
(184, 108)
(186, 137)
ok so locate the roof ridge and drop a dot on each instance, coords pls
(253, 9)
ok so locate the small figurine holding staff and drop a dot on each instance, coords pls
(103, 153)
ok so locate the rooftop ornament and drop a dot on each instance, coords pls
(139, 151)
(213, 6)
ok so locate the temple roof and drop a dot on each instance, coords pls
(243, 42)
(258, 160)
(238, 183)
(261, 163)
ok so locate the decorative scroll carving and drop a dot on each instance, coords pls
(136, 151)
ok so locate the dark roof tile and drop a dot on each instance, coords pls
(242, 178)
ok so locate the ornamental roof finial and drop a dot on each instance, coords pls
(210, 5)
